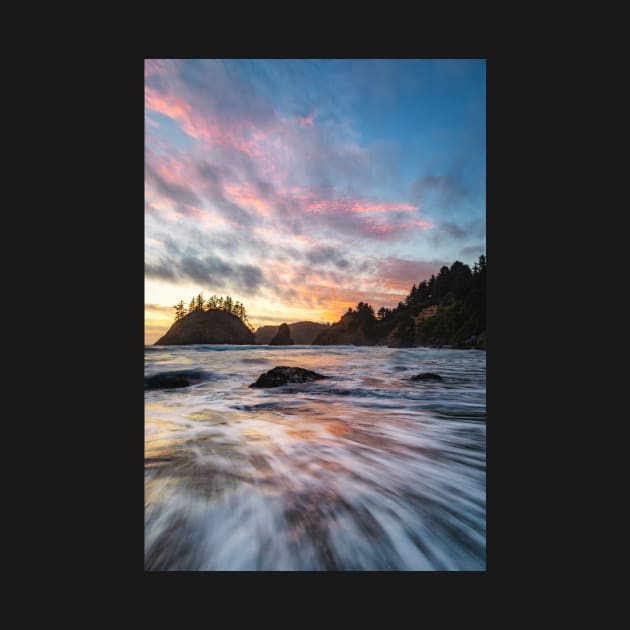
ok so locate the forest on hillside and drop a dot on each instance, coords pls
(457, 295)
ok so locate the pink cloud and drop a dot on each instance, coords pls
(356, 205)
(306, 121)
(244, 195)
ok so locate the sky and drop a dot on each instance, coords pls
(301, 187)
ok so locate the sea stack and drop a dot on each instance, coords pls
(213, 326)
(283, 337)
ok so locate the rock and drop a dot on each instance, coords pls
(302, 333)
(282, 375)
(283, 337)
(214, 326)
(172, 380)
(426, 376)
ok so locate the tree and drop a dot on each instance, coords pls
(442, 283)
(212, 302)
(431, 286)
(191, 306)
(180, 310)
(424, 293)
(413, 294)
(482, 263)
(227, 303)
(461, 280)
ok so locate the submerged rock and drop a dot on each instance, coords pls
(171, 380)
(282, 375)
(283, 337)
(426, 376)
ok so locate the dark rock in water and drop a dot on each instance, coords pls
(282, 375)
(283, 337)
(171, 380)
(426, 376)
(213, 327)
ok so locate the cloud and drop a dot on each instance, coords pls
(324, 255)
(450, 232)
(401, 274)
(453, 230)
(162, 271)
(209, 271)
(276, 168)
(216, 272)
(473, 251)
(445, 190)
(280, 174)
(175, 192)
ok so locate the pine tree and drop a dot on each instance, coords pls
(227, 304)
(212, 302)
(180, 310)
(191, 306)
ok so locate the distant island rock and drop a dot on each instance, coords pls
(213, 327)
(283, 337)
(302, 333)
(283, 374)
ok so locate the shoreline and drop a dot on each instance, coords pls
(339, 345)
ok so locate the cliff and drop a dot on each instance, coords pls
(351, 329)
(446, 310)
(452, 325)
(213, 326)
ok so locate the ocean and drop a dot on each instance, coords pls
(366, 470)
